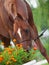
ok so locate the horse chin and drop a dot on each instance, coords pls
(26, 47)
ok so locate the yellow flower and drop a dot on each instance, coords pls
(2, 43)
(8, 62)
(9, 52)
(13, 59)
(8, 49)
(4, 51)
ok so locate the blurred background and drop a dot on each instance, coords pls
(40, 10)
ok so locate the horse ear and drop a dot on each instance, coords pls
(13, 11)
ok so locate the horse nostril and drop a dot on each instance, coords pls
(28, 49)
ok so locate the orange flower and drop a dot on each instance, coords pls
(1, 59)
(35, 48)
(19, 45)
(14, 40)
(8, 62)
(8, 49)
(13, 59)
(9, 52)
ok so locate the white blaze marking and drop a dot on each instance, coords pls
(19, 32)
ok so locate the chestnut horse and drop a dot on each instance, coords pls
(20, 16)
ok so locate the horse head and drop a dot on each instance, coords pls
(21, 22)
(18, 10)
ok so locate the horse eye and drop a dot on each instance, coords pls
(27, 30)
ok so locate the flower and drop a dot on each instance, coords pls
(35, 48)
(8, 49)
(4, 51)
(1, 59)
(14, 40)
(13, 59)
(19, 45)
(9, 52)
(8, 62)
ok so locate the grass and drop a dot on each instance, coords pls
(45, 64)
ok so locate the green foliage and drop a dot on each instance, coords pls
(16, 56)
(41, 15)
(46, 43)
(45, 64)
